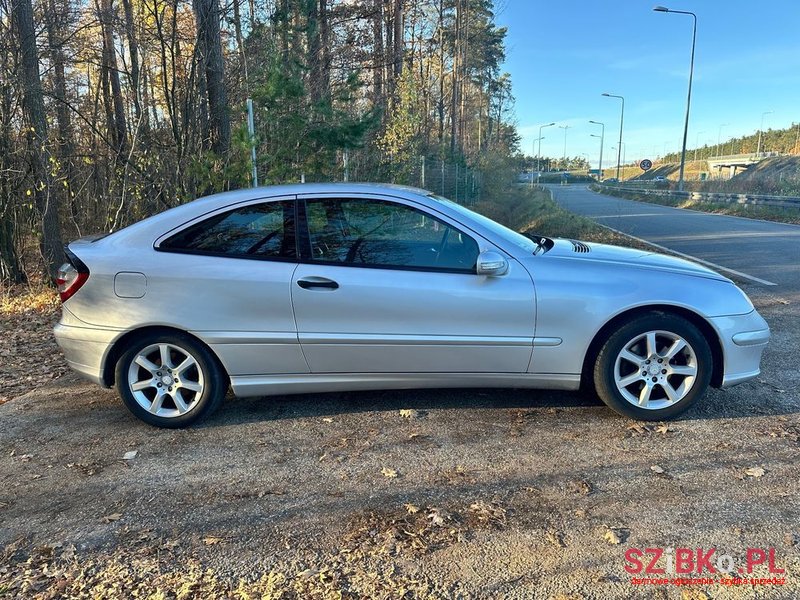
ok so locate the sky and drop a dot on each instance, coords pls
(562, 55)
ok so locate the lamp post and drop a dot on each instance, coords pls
(696, 143)
(719, 137)
(689, 94)
(621, 118)
(761, 129)
(564, 127)
(602, 141)
(533, 144)
(539, 155)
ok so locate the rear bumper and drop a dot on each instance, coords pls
(744, 338)
(85, 349)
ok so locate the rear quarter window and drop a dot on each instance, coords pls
(265, 230)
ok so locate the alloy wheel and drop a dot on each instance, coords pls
(166, 380)
(655, 370)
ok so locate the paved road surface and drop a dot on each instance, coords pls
(760, 252)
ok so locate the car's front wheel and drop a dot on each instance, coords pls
(170, 380)
(653, 367)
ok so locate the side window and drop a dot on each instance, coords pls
(264, 230)
(385, 234)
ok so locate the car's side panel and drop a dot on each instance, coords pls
(385, 320)
(248, 299)
(575, 299)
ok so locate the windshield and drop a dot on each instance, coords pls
(523, 242)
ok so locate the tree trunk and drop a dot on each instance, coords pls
(208, 29)
(45, 194)
(66, 142)
(454, 81)
(440, 104)
(237, 26)
(118, 126)
(399, 39)
(137, 89)
(388, 57)
(377, 52)
(314, 56)
(325, 42)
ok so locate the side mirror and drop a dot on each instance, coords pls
(492, 264)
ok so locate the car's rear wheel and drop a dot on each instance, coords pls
(170, 380)
(653, 367)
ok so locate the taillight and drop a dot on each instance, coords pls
(69, 280)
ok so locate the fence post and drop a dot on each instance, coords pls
(252, 133)
(456, 182)
(346, 165)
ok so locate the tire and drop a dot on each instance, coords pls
(677, 371)
(172, 392)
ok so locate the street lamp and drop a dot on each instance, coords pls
(689, 94)
(696, 143)
(719, 137)
(761, 129)
(621, 117)
(602, 141)
(533, 145)
(564, 127)
(539, 155)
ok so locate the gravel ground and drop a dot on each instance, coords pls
(442, 493)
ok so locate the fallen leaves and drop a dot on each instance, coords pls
(612, 537)
(580, 486)
(411, 509)
(409, 413)
(615, 535)
(28, 318)
(436, 517)
(212, 540)
(637, 429)
(754, 471)
(388, 473)
(488, 512)
(111, 518)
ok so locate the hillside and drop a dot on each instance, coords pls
(779, 167)
(785, 141)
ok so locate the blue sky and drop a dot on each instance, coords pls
(562, 55)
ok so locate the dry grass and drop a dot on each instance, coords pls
(535, 212)
(768, 213)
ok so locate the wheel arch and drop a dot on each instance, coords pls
(705, 328)
(120, 345)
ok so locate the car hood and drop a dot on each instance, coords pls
(587, 251)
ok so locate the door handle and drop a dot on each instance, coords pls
(308, 283)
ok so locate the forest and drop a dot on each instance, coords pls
(113, 110)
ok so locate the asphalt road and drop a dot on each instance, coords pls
(758, 252)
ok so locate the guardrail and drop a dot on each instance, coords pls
(711, 197)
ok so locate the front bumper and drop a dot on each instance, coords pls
(743, 339)
(85, 348)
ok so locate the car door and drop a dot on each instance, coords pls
(387, 287)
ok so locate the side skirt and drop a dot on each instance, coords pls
(272, 385)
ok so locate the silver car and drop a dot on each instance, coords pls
(330, 287)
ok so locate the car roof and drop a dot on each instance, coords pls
(196, 208)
